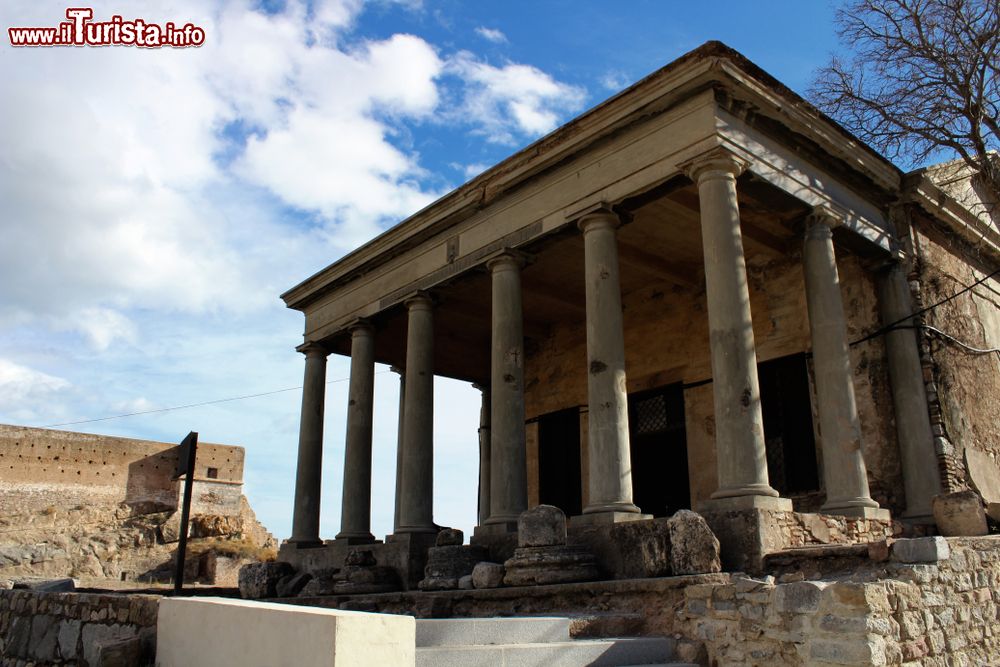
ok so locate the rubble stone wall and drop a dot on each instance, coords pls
(932, 613)
(962, 386)
(76, 628)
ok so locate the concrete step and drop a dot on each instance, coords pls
(485, 631)
(575, 653)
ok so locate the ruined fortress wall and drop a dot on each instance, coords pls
(41, 467)
(667, 341)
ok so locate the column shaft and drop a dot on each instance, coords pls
(399, 446)
(309, 470)
(416, 509)
(508, 464)
(485, 448)
(843, 464)
(739, 425)
(356, 504)
(610, 466)
(921, 476)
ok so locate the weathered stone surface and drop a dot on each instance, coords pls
(535, 566)
(69, 635)
(447, 564)
(921, 550)
(465, 583)
(984, 474)
(694, 548)
(322, 582)
(44, 637)
(260, 580)
(97, 636)
(123, 653)
(290, 586)
(960, 514)
(993, 512)
(449, 537)
(360, 558)
(627, 550)
(45, 585)
(488, 575)
(799, 597)
(354, 580)
(541, 526)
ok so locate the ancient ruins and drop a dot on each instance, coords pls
(701, 294)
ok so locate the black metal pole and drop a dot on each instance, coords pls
(191, 442)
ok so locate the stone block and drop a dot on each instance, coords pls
(360, 558)
(449, 537)
(541, 526)
(291, 585)
(63, 585)
(447, 564)
(234, 633)
(801, 597)
(921, 550)
(488, 575)
(96, 636)
(694, 548)
(993, 512)
(69, 635)
(960, 514)
(465, 583)
(260, 580)
(536, 566)
(44, 637)
(984, 474)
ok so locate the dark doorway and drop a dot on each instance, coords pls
(559, 479)
(660, 484)
(788, 426)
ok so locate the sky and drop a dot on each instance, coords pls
(154, 203)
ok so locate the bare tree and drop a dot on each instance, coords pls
(922, 77)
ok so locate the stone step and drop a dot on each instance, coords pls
(576, 653)
(485, 631)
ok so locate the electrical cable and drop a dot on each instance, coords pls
(190, 405)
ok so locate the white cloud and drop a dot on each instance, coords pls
(513, 100)
(24, 390)
(615, 80)
(491, 35)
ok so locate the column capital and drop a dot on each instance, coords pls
(419, 301)
(601, 217)
(825, 214)
(719, 162)
(505, 260)
(312, 348)
(361, 327)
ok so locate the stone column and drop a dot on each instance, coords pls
(356, 504)
(309, 471)
(921, 475)
(484, 455)
(416, 504)
(508, 465)
(610, 473)
(843, 464)
(739, 425)
(399, 445)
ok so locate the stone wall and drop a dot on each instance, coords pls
(666, 341)
(962, 387)
(934, 604)
(76, 629)
(42, 467)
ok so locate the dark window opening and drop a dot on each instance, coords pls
(213, 473)
(660, 484)
(788, 426)
(559, 479)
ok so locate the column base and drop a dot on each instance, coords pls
(415, 529)
(305, 543)
(605, 518)
(858, 511)
(355, 538)
(747, 490)
(496, 528)
(731, 503)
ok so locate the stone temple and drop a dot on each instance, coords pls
(702, 294)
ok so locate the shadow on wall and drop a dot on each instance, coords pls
(150, 485)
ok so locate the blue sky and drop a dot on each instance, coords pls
(155, 203)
